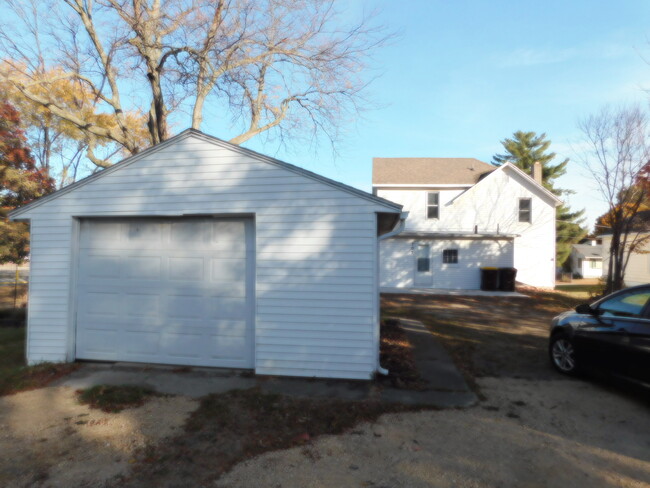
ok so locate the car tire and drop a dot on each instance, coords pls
(562, 354)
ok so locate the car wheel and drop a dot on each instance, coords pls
(563, 354)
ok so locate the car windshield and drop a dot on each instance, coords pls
(625, 305)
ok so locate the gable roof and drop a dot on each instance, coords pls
(588, 251)
(511, 167)
(218, 142)
(428, 171)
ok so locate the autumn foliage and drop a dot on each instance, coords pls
(20, 182)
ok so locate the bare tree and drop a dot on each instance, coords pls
(288, 65)
(617, 158)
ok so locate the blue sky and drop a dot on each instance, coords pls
(463, 75)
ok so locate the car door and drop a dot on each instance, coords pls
(607, 341)
(639, 367)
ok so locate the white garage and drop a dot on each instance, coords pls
(199, 252)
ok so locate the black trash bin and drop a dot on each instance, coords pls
(507, 279)
(489, 279)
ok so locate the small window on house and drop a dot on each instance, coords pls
(450, 256)
(524, 210)
(593, 264)
(433, 205)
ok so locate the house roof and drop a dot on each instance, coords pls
(588, 251)
(428, 171)
(214, 140)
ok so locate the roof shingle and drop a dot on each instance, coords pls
(428, 171)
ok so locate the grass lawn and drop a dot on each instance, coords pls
(15, 376)
(585, 292)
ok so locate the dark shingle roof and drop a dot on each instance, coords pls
(428, 171)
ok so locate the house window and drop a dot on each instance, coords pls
(450, 256)
(433, 205)
(594, 264)
(524, 210)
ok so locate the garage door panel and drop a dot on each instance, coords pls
(142, 232)
(103, 236)
(186, 269)
(102, 303)
(144, 267)
(225, 347)
(227, 270)
(98, 341)
(141, 342)
(168, 291)
(184, 307)
(227, 308)
(183, 345)
(142, 305)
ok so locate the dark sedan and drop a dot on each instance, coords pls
(611, 336)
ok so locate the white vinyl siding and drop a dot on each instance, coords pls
(315, 283)
(399, 266)
(491, 206)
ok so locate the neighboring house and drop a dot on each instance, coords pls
(637, 271)
(587, 259)
(199, 252)
(464, 214)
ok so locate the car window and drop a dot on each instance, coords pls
(625, 305)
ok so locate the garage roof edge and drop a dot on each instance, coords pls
(214, 140)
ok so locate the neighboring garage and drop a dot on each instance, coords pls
(198, 252)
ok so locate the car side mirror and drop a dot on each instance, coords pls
(585, 309)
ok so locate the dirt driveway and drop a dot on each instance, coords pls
(48, 439)
(528, 433)
(533, 428)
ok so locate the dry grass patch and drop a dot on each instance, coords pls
(396, 355)
(115, 398)
(488, 336)
(15, 376)
(231, 427)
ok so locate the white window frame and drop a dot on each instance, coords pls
(530, 211)
(429, 205)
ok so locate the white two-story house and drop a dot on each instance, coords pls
(464, 214)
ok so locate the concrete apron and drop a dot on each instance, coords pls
(445, 386)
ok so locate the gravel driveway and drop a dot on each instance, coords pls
(528, 433)
(48, 439)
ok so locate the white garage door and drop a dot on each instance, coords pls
(173, 291)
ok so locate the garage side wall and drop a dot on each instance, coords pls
(315, 284)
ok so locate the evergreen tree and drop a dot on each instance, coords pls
(20, 182)
(523, 150)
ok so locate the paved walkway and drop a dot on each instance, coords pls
(444, 383)
(445, 388)
(442, 291)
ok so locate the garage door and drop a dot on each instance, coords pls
(173, 291)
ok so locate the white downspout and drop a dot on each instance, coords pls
(398, 230)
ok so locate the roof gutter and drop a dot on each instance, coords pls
(394, 232)
(398, 230)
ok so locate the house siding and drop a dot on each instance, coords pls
(315, 283)
(398, 262)
(491, 206)
(637, 271)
